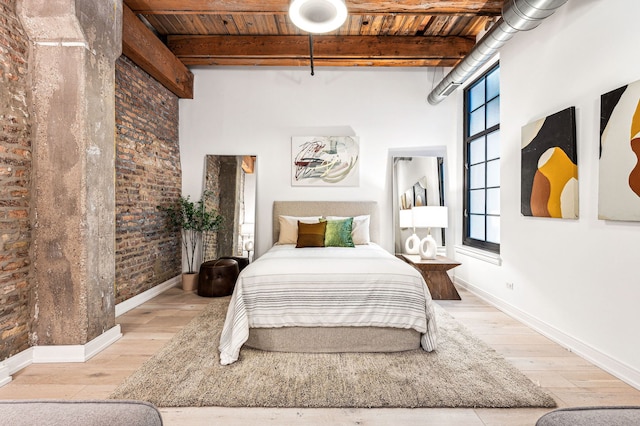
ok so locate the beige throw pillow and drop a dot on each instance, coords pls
(289, 227)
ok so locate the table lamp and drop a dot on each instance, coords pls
(429, 217)
(406, 221)
(247, 230)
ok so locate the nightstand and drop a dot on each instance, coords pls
(435, 274)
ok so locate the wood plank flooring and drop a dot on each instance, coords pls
(570, 379)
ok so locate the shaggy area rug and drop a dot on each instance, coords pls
(462, 372)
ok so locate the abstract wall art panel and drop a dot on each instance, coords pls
(619, 178)
(549, 186)
(325, 161)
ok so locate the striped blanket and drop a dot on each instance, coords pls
(328, 287)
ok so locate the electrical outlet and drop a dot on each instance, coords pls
(509, 285)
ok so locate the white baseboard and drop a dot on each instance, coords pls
(596, 357)
(78, 353)
(14, 364)
(5, 377)
(139, 299)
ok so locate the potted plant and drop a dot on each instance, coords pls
(192, 218)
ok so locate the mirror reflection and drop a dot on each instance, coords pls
(418, 181)
(232, 180)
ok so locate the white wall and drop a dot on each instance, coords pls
(574, 279)
(257, 111)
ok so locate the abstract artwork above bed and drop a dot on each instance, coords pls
(550, 167)
(325, 160)
(619, 186)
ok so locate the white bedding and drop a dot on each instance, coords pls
(330, 287)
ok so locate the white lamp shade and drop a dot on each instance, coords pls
(318, 16)
(430, 217)
(406, 218)
(247, 228)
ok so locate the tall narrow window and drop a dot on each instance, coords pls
(482, 162)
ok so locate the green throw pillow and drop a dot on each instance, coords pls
(338, 233)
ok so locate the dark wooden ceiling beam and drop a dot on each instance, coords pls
(322, 62)
(431, 7)
(342, 50)
(147, 51)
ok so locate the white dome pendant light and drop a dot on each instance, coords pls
(318, 16)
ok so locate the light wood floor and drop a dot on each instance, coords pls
(571, 380)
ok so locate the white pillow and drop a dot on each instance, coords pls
(359, 229)
(289, 227)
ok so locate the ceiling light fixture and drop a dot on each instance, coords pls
(318, 16)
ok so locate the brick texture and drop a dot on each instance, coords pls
(15, 176)
(212, 184)
(148, 174)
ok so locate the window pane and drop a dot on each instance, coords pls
(476, 227)
(476, 174)
(476, 96)
(493, 112)
(482, 162)
(476, 201)
(493, 84)
(493, 201)
(493, 173)
(493, 145)
(476, 121)
(493, 229)
(476, 151)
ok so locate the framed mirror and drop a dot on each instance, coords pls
(232, 181)
(418, 176)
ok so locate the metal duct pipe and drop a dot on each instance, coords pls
(517, 15)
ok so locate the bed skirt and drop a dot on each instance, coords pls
(333, 339)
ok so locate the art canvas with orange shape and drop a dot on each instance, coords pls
(549, 185)
(619, 179)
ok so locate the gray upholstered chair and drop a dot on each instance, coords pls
(591, 416)
(43, 412)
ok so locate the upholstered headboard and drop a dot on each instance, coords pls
(327, 208)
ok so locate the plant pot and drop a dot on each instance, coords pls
(190, 281)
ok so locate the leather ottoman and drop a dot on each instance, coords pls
(243, 262)
(217, 277)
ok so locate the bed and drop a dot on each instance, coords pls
(328, 299)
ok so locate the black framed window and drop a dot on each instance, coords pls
(481, 218)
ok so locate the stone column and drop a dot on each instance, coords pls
(73, 49)
(230, 193)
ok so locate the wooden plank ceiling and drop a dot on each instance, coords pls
(407, 33)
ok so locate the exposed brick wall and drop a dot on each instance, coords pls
(15, 177)
(212, 184)
(147, 175)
